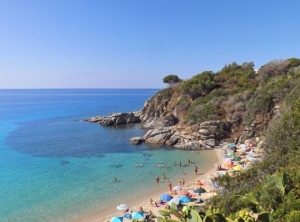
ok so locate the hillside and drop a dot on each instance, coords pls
(243, 100)
(265, 104)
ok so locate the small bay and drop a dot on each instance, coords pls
(55, 167)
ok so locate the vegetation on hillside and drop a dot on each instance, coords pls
(237, 94)
(270, 189)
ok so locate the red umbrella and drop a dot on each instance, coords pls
(183, 192)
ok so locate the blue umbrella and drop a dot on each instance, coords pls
(116, 219)
(137, 215)
(166, 197)
(128, 216)
(231, 145)
(185, 199)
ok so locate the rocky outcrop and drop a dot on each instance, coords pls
(136, 140)
(153, 122)
(116, 119)
(207, 137)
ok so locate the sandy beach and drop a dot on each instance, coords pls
(203, 175)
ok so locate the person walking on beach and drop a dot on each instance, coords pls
(183, 182)
(196, 170)
(170, 186)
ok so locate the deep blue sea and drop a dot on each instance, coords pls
(55, 167)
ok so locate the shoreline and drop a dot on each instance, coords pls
(207, 171)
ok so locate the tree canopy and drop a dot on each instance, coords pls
(171, 79)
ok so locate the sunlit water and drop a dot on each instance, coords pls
(55, 167)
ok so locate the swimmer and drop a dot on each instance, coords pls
(115, 179)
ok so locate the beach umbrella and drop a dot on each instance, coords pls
(185, 199)
(227, 160)
(232, 148)
(249, 155)
(177, 188)
(231, 145)
(183, 192)
(128, 216)
(175, 200)
(237, 158)
(225, 156)
(237, 168)
(199, 190)
(137, 215)
(229, 165)
(165, 197)
(116, 219)
(123, 207)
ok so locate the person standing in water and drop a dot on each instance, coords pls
(157, 179)
(196, 170)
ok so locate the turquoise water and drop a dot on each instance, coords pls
(55, 167)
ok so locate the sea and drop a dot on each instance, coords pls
(56, 167)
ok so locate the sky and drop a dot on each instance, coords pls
(136, 43)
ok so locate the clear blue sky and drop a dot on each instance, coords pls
(135, 43)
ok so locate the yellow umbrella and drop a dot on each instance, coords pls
(238, 168)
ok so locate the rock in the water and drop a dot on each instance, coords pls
(116, 119)
(136, 140)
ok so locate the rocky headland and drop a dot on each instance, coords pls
(218, 109)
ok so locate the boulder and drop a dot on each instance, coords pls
(136, 140)
(204, 132)
(159, 138)
(173, 140)
(170, 120)
(210, 142)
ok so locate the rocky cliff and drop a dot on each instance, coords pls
(233, 104)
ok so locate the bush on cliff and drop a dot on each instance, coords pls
(282, 153)
(199, 85)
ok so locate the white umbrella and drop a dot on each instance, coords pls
(177, 188)
(123, 207)
(174, 200)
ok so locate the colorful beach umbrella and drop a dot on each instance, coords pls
(165, 197)
(237, 168)
(128, 216)
(116, 219)
(137, 215)
(177, 188)
(123, 207)
(183, 192)
(175, 200)
(200, 190)
(185, 199)
(236, 158)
